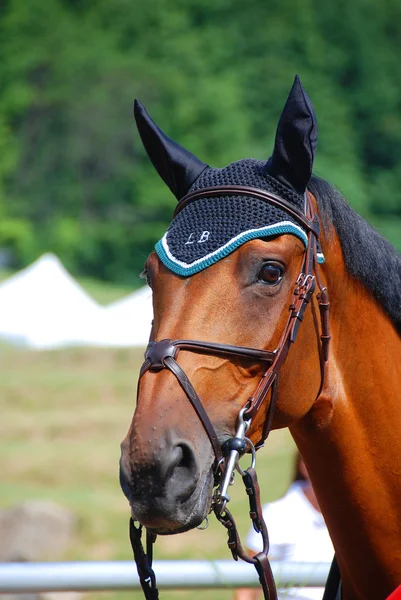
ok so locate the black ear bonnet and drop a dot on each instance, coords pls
(209, 229)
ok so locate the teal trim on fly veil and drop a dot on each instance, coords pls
(185, 269)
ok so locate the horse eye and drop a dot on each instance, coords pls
(271, 273)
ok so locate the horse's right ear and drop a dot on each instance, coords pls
(176, 166)
(296, 138)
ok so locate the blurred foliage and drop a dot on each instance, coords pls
(74, 178)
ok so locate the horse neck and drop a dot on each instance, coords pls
(351, 443)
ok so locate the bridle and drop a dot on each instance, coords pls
(163, 354)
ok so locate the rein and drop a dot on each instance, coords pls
(163, 354)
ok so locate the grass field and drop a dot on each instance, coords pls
(63, 415)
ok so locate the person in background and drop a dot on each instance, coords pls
(297, 533)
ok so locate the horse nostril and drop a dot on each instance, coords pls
(170, 472)
(181, 458)
(187, 458)
(182, 471)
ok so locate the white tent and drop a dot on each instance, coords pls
(43, 306)
(41, 301)
(130, 319)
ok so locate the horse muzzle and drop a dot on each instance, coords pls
(169, 490)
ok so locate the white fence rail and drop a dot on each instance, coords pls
(90, 576)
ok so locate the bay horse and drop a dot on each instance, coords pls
(241, 339)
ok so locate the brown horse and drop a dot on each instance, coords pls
(226, 273)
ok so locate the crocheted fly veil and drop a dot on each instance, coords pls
(210, 228)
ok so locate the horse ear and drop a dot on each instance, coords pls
(176, 166)
(295, 145)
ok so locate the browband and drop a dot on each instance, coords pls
(244, 190)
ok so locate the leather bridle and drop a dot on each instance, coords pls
(163, 355)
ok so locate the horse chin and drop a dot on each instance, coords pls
(165, 516)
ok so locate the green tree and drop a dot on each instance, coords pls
(73, 175)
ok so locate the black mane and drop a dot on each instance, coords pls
(368, 257)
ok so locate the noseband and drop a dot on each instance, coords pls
(163, 354)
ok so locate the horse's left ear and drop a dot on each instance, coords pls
(295, 145)
(178, 167)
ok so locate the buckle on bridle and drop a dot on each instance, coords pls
(304, 284)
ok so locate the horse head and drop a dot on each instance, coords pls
(223, 279)
(239, 346)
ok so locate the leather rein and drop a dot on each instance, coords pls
(163, 354)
